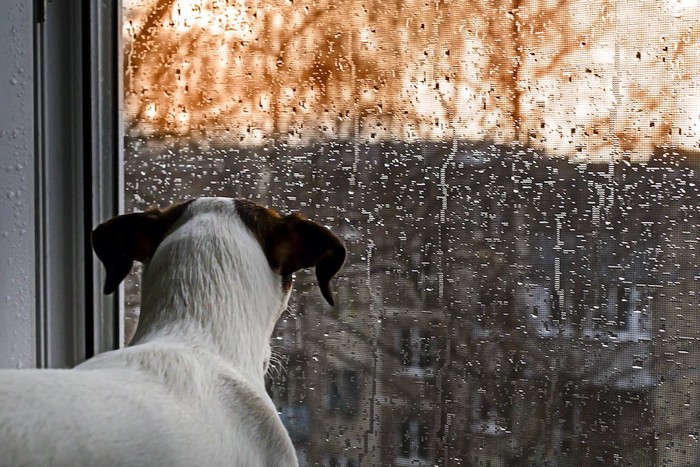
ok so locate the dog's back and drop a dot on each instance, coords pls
(191, 390)
(111, 413)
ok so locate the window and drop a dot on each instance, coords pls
(59, 148)
(335, 461)
(414, 442)
(417, 349)
(517, 184)
(343, 392)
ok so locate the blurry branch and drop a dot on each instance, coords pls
(559, 14)
(689, 37)
(144, 41)
(272, 73)
(516, 88)
(160, 80)
(522, 32)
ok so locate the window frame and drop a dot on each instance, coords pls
(17, 312)
(107, 158)
(77, 63)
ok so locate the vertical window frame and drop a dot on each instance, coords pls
(77, 104)
(106, 157)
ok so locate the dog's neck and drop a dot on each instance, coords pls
(212, 290)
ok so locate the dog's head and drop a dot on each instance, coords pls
(289, 242)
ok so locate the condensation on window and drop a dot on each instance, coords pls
(517, 184)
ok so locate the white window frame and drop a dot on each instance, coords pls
(66, 59)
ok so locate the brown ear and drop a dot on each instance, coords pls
(124, 239)
(300, 243)
(293, 242)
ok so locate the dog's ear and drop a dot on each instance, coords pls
(293, 242)
(124, 239)
(299, 243)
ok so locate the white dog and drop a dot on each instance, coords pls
(190, 389)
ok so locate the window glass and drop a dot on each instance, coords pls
(517, 184)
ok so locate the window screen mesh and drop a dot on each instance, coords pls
(517, 185)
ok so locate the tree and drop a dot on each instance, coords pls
(553, 74)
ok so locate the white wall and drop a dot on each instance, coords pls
(17, 207)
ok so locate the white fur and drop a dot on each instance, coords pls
(190, 390)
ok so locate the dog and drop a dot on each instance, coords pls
(189, 390)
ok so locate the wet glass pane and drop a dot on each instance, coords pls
(517, 185)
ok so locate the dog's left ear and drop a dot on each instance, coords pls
(124, 239)
(299, 243)
(293, 242)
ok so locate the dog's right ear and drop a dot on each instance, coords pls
(124, 239)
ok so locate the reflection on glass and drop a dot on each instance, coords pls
(517, 183)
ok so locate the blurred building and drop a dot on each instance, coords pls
(499, 307)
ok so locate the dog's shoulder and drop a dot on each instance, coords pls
(212, 393)
(205, 379)
(249, 409)
(70, 417)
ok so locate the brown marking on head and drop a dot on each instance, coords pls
(293, 242)
(124, 239)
